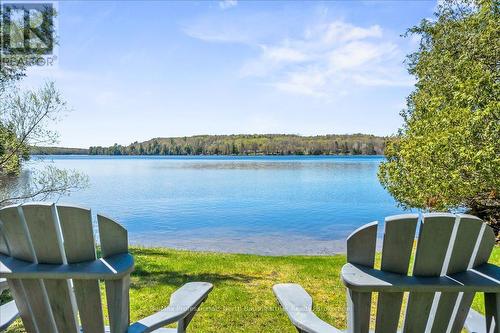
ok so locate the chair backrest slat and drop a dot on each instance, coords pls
(19, 247)
(79, 245)
(486, 242)
(432, 244)
(114, 240)
(113, 237)
(59, 293)
(465, 242)
(4, 247)
(34, 307)
(434, 237)
(463, 248)
(399, 236)
(76, 227)
(43, 223)
(361, 245)
(88, 299)
(485, 247)
(36, 296)
(24, 308)
(15, 233)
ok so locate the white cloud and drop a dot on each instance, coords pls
(272, 58)
(214, 36)
(325, 59)
(306, 82)
(224, 32)
(285, 54)
(225, 4)
(357, 54)
(329, 58)
(339, 31)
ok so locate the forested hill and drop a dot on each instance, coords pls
(58, 151)
(262, 144)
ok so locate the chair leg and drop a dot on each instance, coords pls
(183, 323)
(492, 309)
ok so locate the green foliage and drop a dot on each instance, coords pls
(447, 155)
(25, 121)
(258, 144)
(12, 152)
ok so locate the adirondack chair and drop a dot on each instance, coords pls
(49, 260)
(450, 266)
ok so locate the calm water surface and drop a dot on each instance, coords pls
(272, 205)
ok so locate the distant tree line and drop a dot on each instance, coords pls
(57, 151)
(265, 144)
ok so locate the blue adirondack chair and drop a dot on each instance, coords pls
(449, 267)
(48, 256)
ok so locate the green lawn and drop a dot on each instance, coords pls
(242, 300)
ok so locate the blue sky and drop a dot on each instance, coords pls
(137, 70)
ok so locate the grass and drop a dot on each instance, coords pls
(242, 300)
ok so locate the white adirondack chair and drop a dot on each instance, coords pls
(49, 260)
(450, 266)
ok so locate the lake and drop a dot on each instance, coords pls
(261, 204)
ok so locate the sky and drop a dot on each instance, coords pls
(132, 71)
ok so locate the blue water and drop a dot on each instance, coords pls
(239, 204)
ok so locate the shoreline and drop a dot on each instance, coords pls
(263, 246)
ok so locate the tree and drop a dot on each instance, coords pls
(25, 118)
(447, 154)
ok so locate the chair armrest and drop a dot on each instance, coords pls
(3, 285)
(360, 278)
(298, 306)
(183, 303)
(8, 313)
(475, 322)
